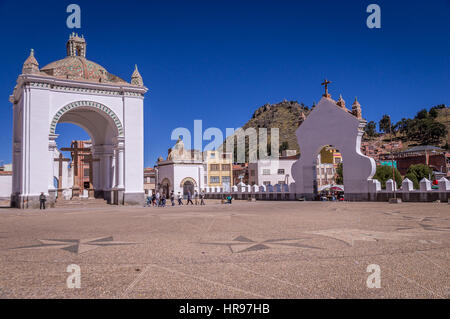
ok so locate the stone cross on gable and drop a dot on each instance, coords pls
(325, 83)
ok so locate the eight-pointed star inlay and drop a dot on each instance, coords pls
(77, 246)
(243, 244)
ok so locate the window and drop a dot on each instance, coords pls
(214, 179)
(213, 154)
(252, 172)
(214, 167)
(281, 171)
(152, 180)
(225, 179)
(329, 171)
(266, 171)
(226, 167)
(206, 179)
(86, 172)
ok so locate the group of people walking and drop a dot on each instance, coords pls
(160, 200)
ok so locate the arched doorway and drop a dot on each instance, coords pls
(165, 187)
(328, 180)
(189, 185)
(102, 160)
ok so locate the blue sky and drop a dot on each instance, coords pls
(220, 60)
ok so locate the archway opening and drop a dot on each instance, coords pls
(88, 134)
(165, 187)
(74, 166)
(329, 178)
(188, 186)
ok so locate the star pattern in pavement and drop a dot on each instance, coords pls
(243, 244)
(76, 246)
(349, 236)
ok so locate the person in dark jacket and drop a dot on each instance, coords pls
(189, 198)
(172, 198)
(42, 200)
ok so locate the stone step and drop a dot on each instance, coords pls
(83, 202)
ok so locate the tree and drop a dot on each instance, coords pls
(426, 131)
(340, 174)
(384, 173)
(433, 112)
(422, 114)
(385, 124)
(417, 172)
(371, 129)
(284, 146)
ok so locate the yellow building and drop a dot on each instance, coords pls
(219, 168)
(330, 155)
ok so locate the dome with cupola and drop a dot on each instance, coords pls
(75, 66)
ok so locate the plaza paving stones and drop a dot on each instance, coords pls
(244, 250)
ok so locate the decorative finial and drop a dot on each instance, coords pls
(356, 109)
(325, 83)
(30, 66)
(136, 78)
(341, 102)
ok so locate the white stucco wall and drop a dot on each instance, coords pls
(176, 172)
(273, 166)
(5, 186)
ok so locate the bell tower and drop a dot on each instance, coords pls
(76, 46)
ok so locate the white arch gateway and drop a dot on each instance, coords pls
(76, 90)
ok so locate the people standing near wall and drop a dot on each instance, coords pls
(180, 202)
(42, 200)
(202, 198)
(163, 200)
(158, 196)
(196, 197)
(154, 200)
(189, 198)
(172, 198)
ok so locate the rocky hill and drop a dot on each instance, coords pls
(286, 116)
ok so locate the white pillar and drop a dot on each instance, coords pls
(107, 172)
(120, 165)
(51, 154)
(114, 169)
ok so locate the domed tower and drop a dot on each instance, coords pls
(75, 66)
(356, 109)
(76, 46)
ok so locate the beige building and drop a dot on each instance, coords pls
(149, 180)
(218, 169)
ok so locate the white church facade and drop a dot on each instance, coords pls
(78, 91)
